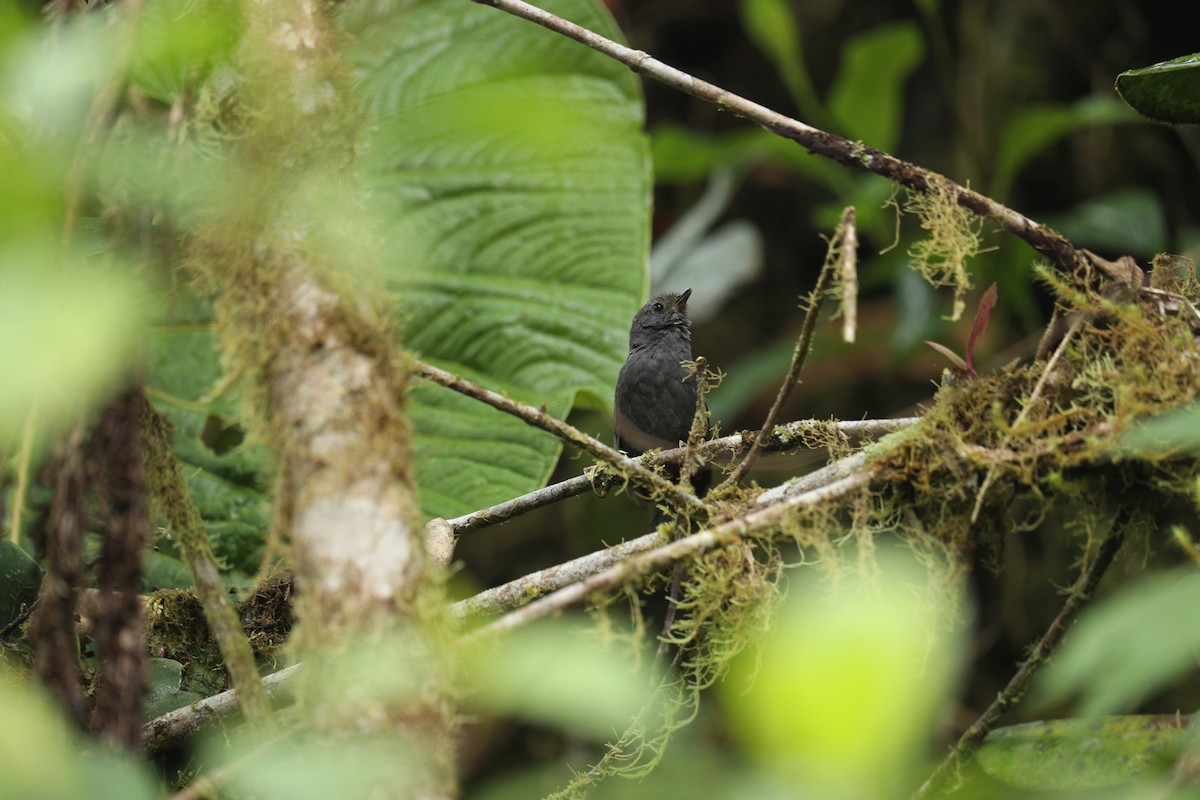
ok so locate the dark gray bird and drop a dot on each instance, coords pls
(656, 397)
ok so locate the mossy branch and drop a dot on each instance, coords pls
(165, 482)
(175, 727)
(689, 546)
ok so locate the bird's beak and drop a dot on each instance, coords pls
(683, 298)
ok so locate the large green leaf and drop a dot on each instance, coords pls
(1167, 92)
(511, 179)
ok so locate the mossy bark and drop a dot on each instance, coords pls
(301, 317)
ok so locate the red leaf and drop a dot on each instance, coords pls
(986, 304)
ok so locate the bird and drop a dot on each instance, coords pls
(655, 398)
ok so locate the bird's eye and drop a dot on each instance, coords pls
(658, 306)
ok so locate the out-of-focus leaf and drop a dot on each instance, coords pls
(1076, 755)
(511, 176)
(68, 333)
(20, 579)
(712, 263)
(40, 756)
(1029, 130)
(851, 682)
(1175, 432)
(1166, 92)
(548, 674)
(1128, 647)
(1125, 221)
(867, 96)
(682, 155)
(178, 41)
(915, 300)
(164, 677)
(304, 768)
(772, 26)
(49, 79)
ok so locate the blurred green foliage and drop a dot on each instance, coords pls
(514, 129)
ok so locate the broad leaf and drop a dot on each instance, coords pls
(1166, 92)
(511, 179)
(1074, 755)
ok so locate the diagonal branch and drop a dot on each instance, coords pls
(836, 148)
(568, 433)
(783, 437)
(938, 782)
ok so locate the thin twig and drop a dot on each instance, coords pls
(990, 477)
(24, 462)
(784, 437)
(973, 737)
(836, 148)
(568, 433)
(813, 303)
(521, 590)
(667, 554)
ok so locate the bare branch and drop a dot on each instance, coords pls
(784, 437)
(174, 727)
(517, 592)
